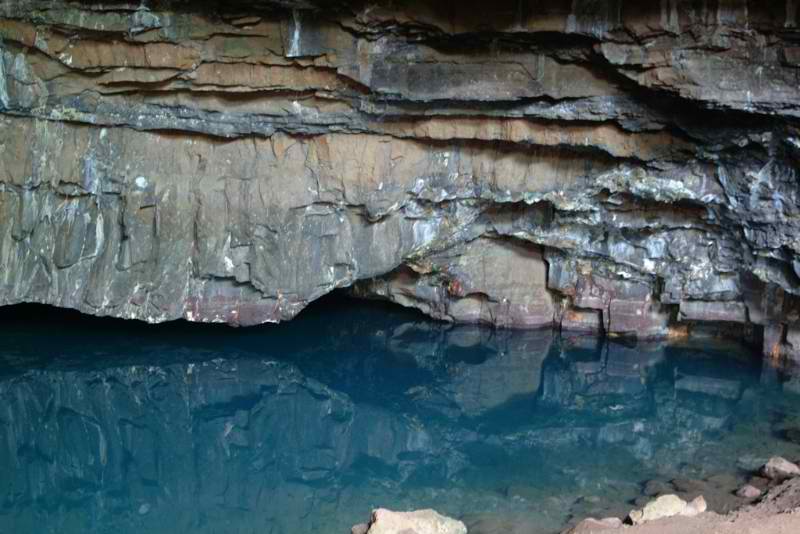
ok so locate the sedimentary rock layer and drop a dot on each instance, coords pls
(606, 166)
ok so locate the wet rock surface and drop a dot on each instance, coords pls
(619, 167)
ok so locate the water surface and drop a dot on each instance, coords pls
(116, 427)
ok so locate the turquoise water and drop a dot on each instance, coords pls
(116, 427)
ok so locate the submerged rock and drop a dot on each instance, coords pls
(748, 492)
(654, 488)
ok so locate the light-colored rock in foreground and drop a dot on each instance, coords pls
(667, 506)
(418, 522)
(778, 468)
(748, 492)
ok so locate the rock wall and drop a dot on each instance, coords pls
(608, 165)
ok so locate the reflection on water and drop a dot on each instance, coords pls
(304, 428)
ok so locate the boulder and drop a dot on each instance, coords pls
(418, 522)
(748, 492)
(664, 506)
(696, 507)
(780, 469)
(667, 506)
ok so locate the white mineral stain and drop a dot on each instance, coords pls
(40, 42)
(3, 90)
(294, 48)
(99, 235)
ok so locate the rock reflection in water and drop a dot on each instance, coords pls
(307, 427)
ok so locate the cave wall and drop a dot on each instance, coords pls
(604, 165)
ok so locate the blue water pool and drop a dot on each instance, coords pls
(115, 427)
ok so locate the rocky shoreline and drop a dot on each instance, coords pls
(778, 512)
(772, 495)
(771, 506)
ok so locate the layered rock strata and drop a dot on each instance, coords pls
(610, 166)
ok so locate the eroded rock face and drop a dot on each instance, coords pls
(606, 166)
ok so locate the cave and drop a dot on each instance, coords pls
(490, 211)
